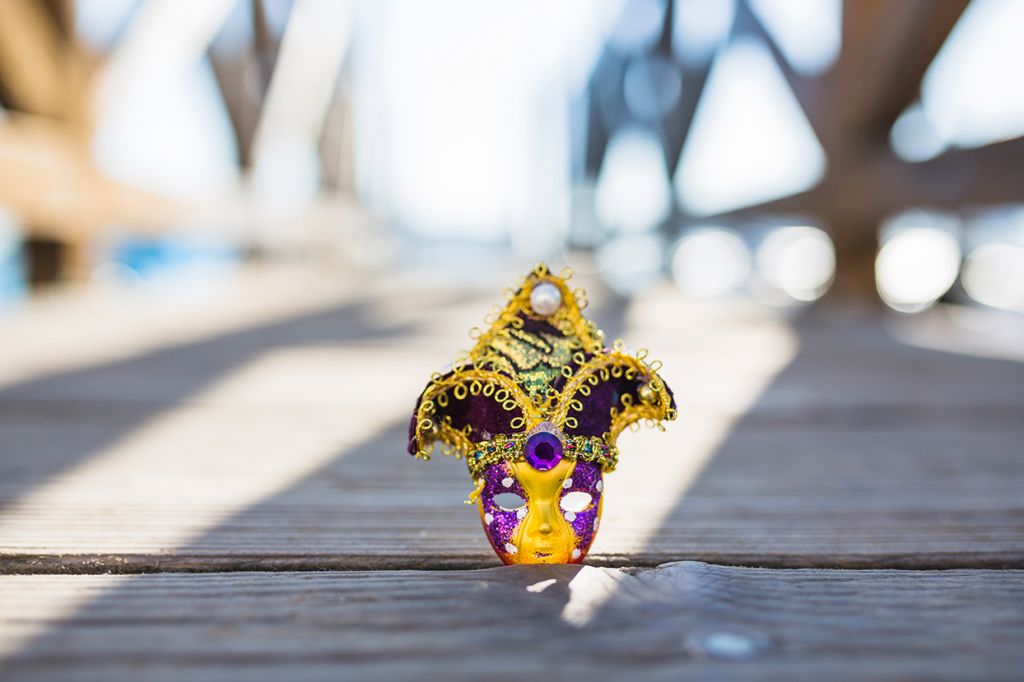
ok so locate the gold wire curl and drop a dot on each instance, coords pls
(483, 365)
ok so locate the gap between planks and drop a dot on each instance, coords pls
(95, 564)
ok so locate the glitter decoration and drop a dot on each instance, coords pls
(535, 408)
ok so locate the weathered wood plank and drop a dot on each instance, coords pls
(251, 449)
(509, 623)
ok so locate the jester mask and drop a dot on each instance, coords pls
(536, 408)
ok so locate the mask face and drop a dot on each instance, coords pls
(541, 517)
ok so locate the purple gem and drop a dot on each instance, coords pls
(543, 450)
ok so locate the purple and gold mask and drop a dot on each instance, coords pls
(536, 408)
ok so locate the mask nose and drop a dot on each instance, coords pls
(545, 526)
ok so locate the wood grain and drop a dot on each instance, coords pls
(509, 623)
(825, 444)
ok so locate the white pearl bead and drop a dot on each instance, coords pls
(576, 554)
(510, 548)
(545, 299)
(570, 516)
(507, 481)
(488, 518)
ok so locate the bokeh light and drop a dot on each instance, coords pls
(913, 138)
(915, 267)
(750, 141)
(970, 92)
(631, 264)
(807, 31)
(633, 192)
(993, 274)
(710, 262)
(651, 87)
(799, 260)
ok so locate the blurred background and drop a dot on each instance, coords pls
(237, 236)
(762, 150)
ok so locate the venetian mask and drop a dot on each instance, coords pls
(536, 408)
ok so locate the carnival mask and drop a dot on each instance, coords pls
(536, 408)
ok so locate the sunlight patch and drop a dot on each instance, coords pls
(750, 140)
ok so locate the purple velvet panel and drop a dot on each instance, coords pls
(488, 418)
(412, 447)
(595, 419)
(483, 413)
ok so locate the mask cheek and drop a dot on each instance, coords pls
(501, 527)
(585, 523)
(585, 526)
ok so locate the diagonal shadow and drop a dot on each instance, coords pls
(863, 452)
(381, 507)
(374, 524)
(895, 396)
(100, 404)
(371, 506)
(396, 512)
(817, 473)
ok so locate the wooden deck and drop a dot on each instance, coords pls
(771, 532)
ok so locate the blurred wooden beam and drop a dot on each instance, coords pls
(887, 47)
(235, 80)
(881, 184)
(48, 179)
(852, 204)
(993, 174)
(47, 174)
(243, 77)
(32, 58)
(304, 80)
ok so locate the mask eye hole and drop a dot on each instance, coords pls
(508, 501)
(576, 501)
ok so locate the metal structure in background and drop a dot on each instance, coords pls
(886, 48)
(49, 76)
(47, 174)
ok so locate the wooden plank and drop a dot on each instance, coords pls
(517, 623)
(251, 450)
